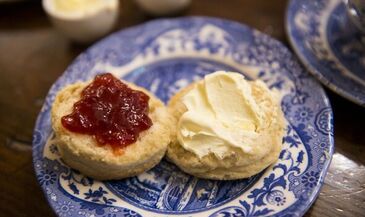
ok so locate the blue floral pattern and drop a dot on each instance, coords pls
(164, 60)
(303, 114)
(65, 208)
(321, 145)
(277, 198)
(310, 179)
(46, 177)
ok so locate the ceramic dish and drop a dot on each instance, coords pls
(164, 56)
(329, 45)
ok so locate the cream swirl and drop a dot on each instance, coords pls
(222, 116)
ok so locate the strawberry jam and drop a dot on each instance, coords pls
(110, 111)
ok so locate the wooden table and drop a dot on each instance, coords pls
(33, 55)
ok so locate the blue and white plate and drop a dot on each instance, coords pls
(164, 56)
(329, 45)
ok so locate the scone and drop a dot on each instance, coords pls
(227, 128)
(85, 153)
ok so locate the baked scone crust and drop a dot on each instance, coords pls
(82, 152)
(237, 166)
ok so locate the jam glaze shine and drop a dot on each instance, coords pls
(111, 112)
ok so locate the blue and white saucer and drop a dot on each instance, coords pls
(329, 45)
(164, 56)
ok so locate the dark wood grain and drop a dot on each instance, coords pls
(33, 54)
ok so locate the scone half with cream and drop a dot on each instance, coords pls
(227, 127)
(110, 129)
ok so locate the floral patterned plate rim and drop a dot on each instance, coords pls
(164, 56)
(329, 45)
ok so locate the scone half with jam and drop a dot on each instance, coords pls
(110, 129)
(226, 127)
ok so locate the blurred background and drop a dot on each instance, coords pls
(34, 54)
